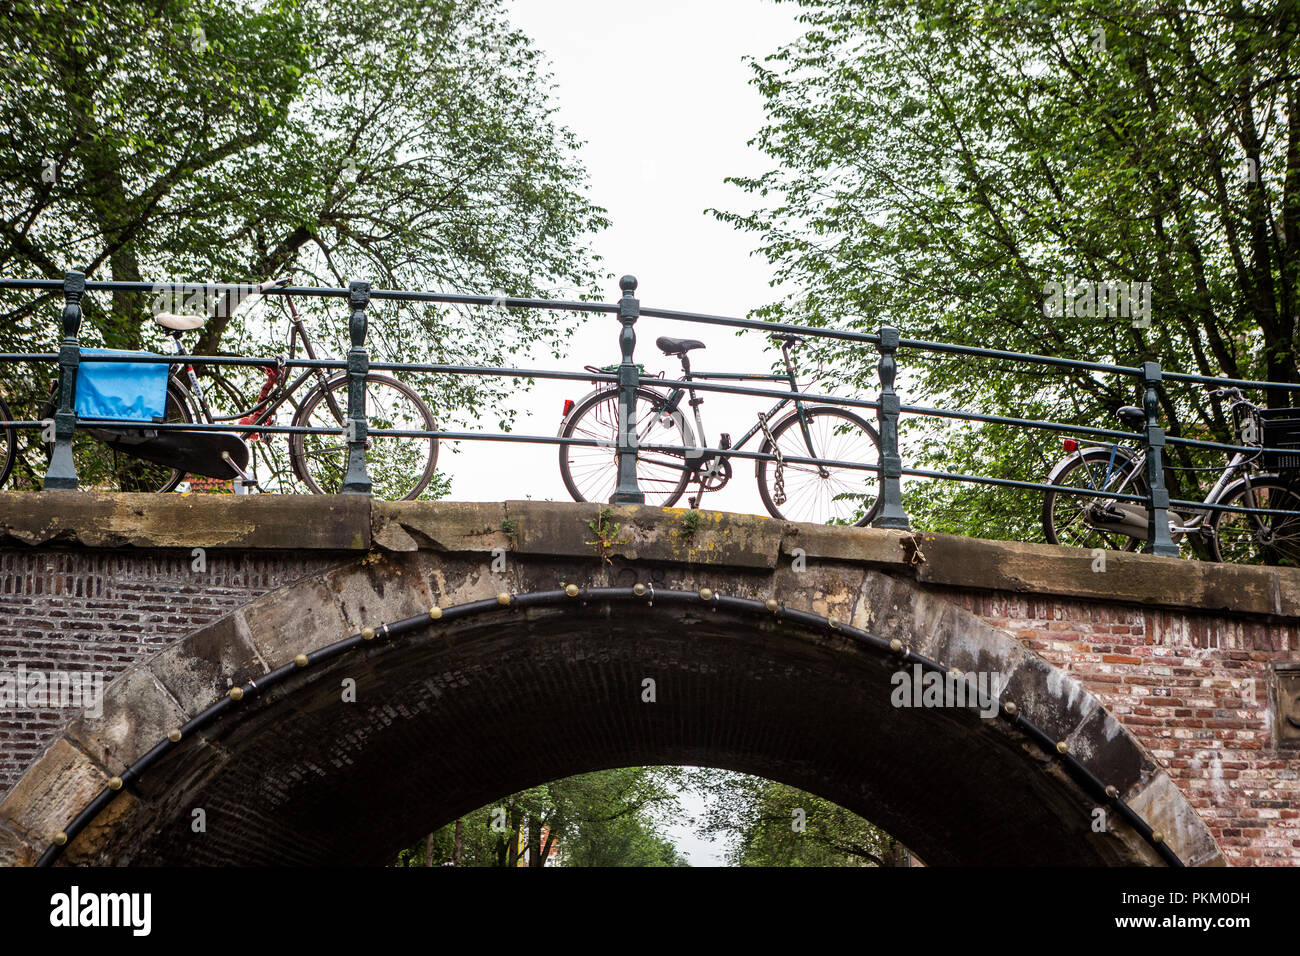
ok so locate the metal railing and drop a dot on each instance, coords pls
(887, 342)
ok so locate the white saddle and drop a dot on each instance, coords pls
(179, 323)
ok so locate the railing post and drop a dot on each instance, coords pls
(62, 471)
(629, 307)
(1158, 539)
(891, 514)
(356, 481)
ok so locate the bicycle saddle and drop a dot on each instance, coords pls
(1132, 416)
(179, 323)
(677, 346)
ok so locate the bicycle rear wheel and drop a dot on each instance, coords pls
(590, 472)
(822, 494)
(1067, 517)
(101, 468)
(400, 468)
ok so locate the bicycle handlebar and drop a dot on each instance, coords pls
(1229, 393)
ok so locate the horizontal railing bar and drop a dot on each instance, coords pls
(1241, 509)
(109, 424)
(694, 451)
(157, 358)
(1214, 380)
(1220, 446)
(509, 302)
(800, 331)
(928, 412)
(741, 376)
(1053, 360)
(436, 368)
(450, 298)
(803, 397)
(1027, 485)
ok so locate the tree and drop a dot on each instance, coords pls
(948, 167)
(412, 144)
(606, 818)
(765, 823)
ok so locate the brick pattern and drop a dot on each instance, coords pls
(1195, 688)
(102, 611)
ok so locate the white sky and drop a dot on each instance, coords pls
(661, 97)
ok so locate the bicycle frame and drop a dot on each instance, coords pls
(284, 391)
(675, 397)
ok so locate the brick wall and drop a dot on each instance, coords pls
(1181, 683)
(102, 610)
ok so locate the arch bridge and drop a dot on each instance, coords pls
(329, 678)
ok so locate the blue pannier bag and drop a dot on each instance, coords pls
(121, 391)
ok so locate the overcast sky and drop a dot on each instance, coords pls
(661, 97)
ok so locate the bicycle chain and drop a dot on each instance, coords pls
(778, 487)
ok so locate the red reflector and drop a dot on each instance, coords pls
(568, 406)
(1071, 444)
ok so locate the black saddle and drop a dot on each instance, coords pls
(1132, 416)
(677, 346)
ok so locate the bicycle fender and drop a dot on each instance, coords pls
(1121, 457)
(564, 419)
(1241, 484)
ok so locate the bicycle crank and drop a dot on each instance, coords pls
(716, 475)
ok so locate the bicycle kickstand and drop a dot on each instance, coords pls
(244, 482)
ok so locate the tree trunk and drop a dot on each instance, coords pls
(458, 843)
(428, 850)
(516, 823)
(534, 841)
(896, 854)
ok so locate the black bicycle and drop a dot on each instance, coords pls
(829, 492)
(1263, 483)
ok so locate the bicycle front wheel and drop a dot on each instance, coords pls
(822, 494)
(590, 472)
(400, 468)
(1251, 538)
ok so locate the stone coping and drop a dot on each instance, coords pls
(353, 523)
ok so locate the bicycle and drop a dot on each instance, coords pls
(143, 459)
(790, 490)
(1262, 536)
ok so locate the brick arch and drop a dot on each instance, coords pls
(493, 697)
